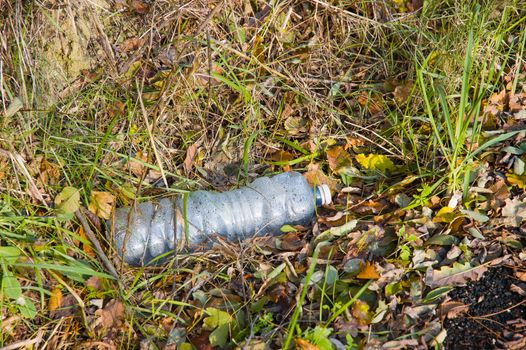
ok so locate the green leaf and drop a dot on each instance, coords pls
(275, 273)
(185, 346)
(442, 240)
(219, 336)
(518, 166)
(475, 215)
(287, 228)
(9, 254)
(67, 201)
(436, 293)
(393, 288)
(6, 252)
(216, 318)
(26, 307)
(10, 286)
(319, 336)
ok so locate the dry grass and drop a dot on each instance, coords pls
(116, 95)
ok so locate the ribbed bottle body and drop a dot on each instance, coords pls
(155, 228)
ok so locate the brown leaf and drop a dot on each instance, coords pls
(94, 282)
(141, 7)
(521, 275)
(131, 44)
(112, 315)
(191, 152)
(452, 309)
(516, 289)
(281, 156)
(517, 102)
(368, 272)
(457, 275)
(302, 344)
(101, 204)
(338, 158)
(290, 242)
(315, 177)
(202, 341)
(68, 306)
(401, 92)
(372, 102)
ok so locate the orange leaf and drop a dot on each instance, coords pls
(368, 272)
(55, 300)
(303, 344)
(86, 246)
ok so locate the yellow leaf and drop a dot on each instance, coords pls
(360, 311)
(101, 204)
(55, 300)
(517, 180)
(375, 162)
(368, 272)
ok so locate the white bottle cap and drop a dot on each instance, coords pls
(325, 192)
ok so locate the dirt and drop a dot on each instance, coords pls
(493, 320)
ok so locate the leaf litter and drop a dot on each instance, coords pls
(414, 248)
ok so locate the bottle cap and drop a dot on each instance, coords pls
(323, 194)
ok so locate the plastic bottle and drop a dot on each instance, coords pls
(171, 224)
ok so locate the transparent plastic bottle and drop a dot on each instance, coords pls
(152, 229)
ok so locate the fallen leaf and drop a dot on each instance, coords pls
(94, 282)
(68, 200)
(360, 311)
(401, 92)
(191, 153)
(516, 289)
(112, 315)
(521, 275)
(458, 275)
(371, 102)
(517, 180)
(368, 272)
(55, 300)
(400, 344)
(140, 6)
(514, 211)
(338, 159)
(375, 162)
(290, 242)
(303, 344)
(296, 125)
(131, 44)
(101, 204)
(136, 165)
(452, 309)
(315, 176)
(517, 102)
(85, 246)
(15, 105)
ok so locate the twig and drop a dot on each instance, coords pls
(96, 245)
(23, 343)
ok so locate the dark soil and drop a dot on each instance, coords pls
(489, 323)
